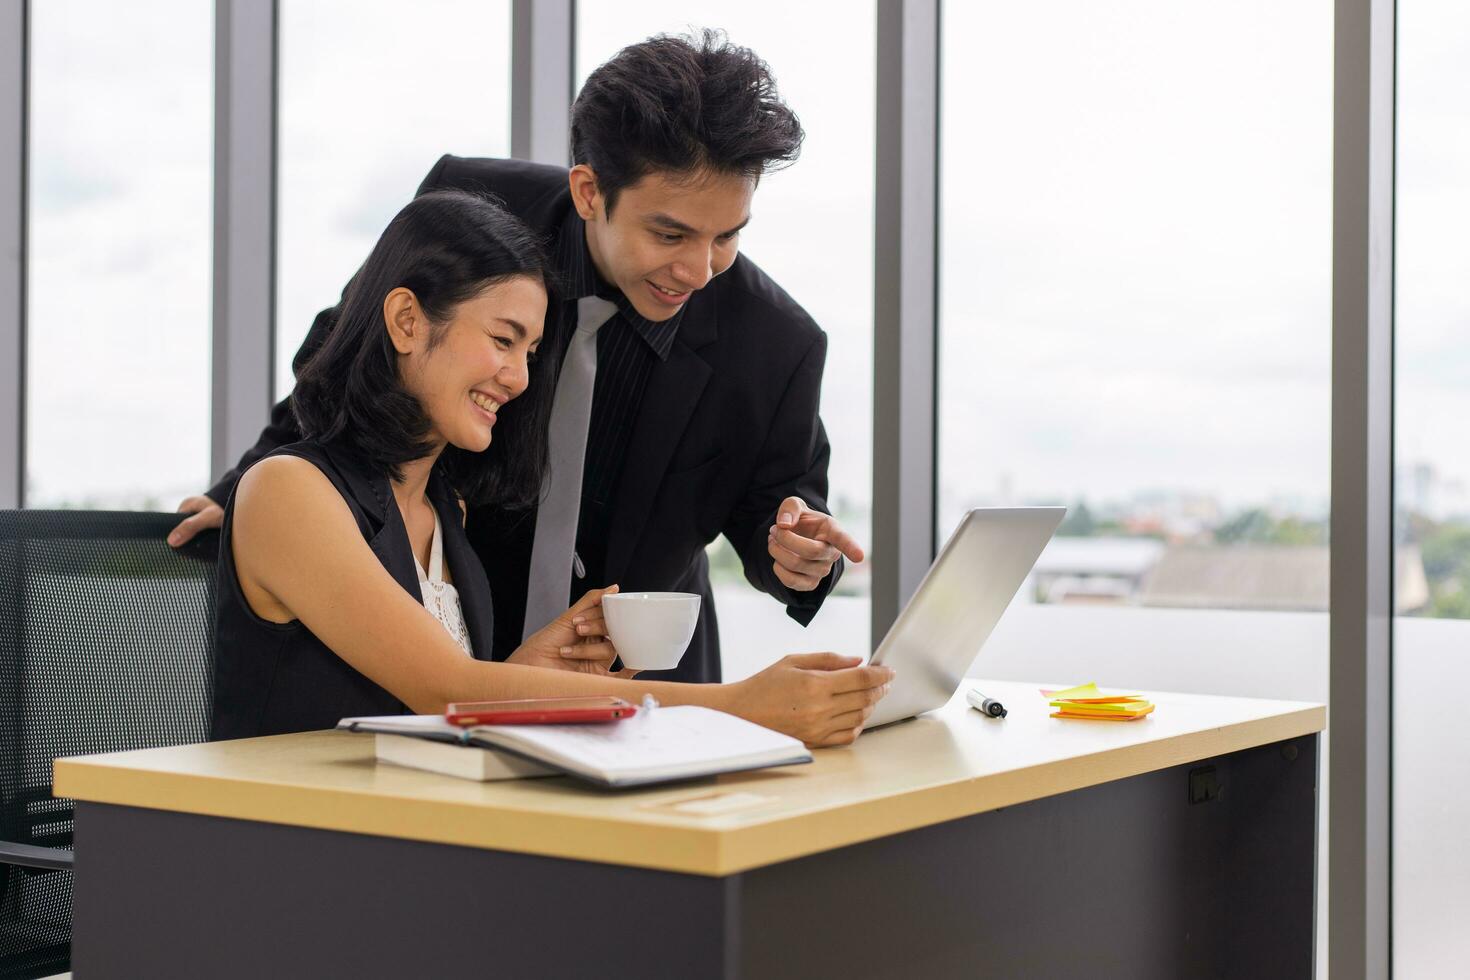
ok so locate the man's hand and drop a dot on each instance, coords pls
(806, 543)
(207, 514)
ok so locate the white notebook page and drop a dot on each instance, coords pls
(662, 739)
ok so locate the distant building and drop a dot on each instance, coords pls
(1147, 572)
(1093, 570)
(1255, 576)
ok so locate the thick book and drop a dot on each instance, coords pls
(454, 759)
(654, 746)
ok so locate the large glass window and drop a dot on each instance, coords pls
(118, 291)
(1431, 652)
(812, 231)
(372, 93)
(1136, 322)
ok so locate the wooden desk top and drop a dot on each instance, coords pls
(948, 764)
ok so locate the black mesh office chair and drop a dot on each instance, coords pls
(106, 643)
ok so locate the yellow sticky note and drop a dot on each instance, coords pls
(1090, 692)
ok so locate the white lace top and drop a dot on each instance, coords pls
(440, 597)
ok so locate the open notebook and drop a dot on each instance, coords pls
(654, 746)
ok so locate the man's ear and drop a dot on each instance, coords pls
(406, 325)
(586, 198)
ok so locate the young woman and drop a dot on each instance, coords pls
(346, 583)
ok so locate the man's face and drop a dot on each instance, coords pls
(668, 235)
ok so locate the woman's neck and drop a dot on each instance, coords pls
(412, 484)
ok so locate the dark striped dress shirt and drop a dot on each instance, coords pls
(628, 347)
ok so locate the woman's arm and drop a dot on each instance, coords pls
(299, 555)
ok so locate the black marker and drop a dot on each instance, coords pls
(984, 705)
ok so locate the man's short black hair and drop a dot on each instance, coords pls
(685, 105)
(446, 246)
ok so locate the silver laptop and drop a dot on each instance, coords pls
(936, 637)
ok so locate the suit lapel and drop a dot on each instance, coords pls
(466, 570)
(674, 389)
(393, 549)
(374, 497)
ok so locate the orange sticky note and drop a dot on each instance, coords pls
(1081, 712)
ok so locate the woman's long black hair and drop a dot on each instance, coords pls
(445, 246)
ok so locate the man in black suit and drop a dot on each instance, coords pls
(686, 405)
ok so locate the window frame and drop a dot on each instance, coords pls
(14, 151)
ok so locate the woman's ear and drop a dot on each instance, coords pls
(404, 320)
(585, 195)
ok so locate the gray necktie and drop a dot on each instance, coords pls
(561, 501)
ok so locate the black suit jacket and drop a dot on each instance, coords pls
(727, 429)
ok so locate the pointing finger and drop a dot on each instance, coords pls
(825, 527)
(842, 541)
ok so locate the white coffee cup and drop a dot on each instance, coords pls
(651, 629)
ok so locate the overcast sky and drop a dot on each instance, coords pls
(119, 254)
(1136, 230)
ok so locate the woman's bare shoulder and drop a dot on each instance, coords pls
(292, 495)
(282, 476)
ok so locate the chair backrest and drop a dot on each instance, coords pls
(106, 643)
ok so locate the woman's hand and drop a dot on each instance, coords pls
(575, 640)
(820, 698)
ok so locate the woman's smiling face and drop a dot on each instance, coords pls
(462, 371)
